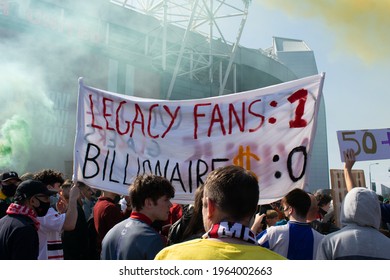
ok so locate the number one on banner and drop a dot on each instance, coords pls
(301, 97)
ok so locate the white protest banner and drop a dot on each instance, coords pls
(368, 144)
(269, 131)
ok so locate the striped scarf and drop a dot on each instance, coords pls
(16, 209)
(234, 230)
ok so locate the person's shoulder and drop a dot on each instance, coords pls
(103, 202)
(317, 233)
(192, 242)
(267, 254)
(178, 251)
(277, 228)
(52, 220)
(126, 226)
(16, 220)
(385, 206)
(134, 227)
(273, 232)
(52, 212)
(52, 215)
(185, 244)
(126, 223)
(20, 225)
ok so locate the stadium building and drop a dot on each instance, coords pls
(155, 49)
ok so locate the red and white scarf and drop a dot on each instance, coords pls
(233, 230)
(17, 209)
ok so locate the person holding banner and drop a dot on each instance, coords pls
(75, 242)
(360, 238)
(53, 223)
(135, 238)
(230, 200)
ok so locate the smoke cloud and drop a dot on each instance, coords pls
(361, 26)
(43, 52)
(24, 105)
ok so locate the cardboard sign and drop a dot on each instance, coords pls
(369, 144)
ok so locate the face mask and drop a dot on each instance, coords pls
(9, 190)
(42, 208)
(54, 199)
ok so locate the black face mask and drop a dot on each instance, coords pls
(42, 208)
(9, 190)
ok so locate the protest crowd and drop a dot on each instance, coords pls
(45, 217)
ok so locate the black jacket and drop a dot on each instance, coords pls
(18, 238)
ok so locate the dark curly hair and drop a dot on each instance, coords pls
(49, 177)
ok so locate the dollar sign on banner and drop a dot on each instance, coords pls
(239, 158)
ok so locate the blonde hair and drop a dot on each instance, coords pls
(271, 214)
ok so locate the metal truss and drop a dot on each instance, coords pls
(196, 39)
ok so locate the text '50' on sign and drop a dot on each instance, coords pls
(368, 144)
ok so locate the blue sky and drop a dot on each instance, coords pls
(349, 49)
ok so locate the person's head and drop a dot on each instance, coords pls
(195, 225)
(27, 176)
(313, 210)
(86, 191)
(115, 197)
(323, 201)
(231, 194)
(296, 204)
(151, 195)
(271, 217)
(65, 189)
(361, 206)
(51, 178)
(9, 182)
(198, 199)
(35, 195)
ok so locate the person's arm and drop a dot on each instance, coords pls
(71, 212)
(257, 224)
(349, 158)
(61, 205)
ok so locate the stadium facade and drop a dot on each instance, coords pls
(144, 53)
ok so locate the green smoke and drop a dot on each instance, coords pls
(15, 139)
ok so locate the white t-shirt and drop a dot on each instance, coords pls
(50, 243)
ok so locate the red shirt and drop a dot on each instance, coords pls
(106, 214)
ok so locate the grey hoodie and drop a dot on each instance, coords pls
(360, 237)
